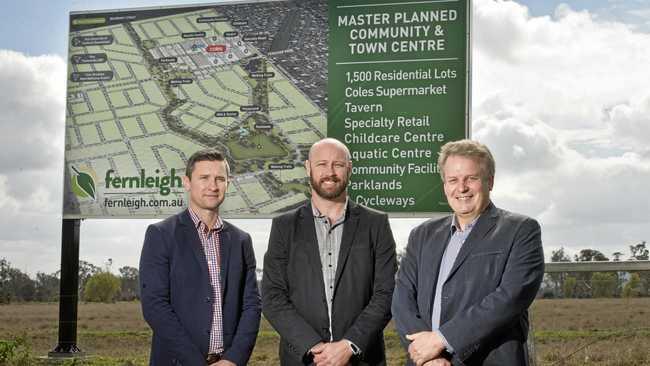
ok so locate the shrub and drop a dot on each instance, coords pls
(14, 352)
(102, 287)
(569, 287)
(633, 286)
(604, 284)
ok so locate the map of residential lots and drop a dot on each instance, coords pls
(146, 91)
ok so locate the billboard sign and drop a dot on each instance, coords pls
(148, 87)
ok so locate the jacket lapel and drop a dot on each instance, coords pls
(306, 235)
(191, 237)
(349, 230)
(484, 225)
(224, 255)
(432, 258)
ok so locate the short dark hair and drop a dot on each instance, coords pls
(205, 155)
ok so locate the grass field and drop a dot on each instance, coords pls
(567, 332)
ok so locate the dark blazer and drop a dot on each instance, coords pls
(293, 293)
(486, 297)
(177, 295)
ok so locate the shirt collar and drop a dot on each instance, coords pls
(456, 227)
(218, 225)
(318, 214)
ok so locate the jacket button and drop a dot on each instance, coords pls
(207, 299)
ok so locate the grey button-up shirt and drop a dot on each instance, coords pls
(329, 245)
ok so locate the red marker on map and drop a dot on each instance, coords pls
(216, 48)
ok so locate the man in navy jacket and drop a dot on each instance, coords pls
(197, 277)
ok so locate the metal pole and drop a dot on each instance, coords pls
(69, 291)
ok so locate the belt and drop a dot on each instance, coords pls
(213, 357)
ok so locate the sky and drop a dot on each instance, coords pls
(560, 93)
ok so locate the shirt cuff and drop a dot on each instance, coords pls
(448, 346)
(356, 351)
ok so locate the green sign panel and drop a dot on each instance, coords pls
(398, 89)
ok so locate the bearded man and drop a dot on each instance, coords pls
(329, 271)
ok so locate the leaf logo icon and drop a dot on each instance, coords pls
(83, 184)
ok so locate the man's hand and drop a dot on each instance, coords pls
(223, 363)
(318, 348)
(425, 346)
(438, 362)
(332, 354)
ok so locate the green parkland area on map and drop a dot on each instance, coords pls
(143, 95)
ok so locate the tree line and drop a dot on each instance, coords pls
(597, 284)
(99, 284)
(96, 284)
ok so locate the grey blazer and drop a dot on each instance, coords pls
(486, 297)
(293, 293)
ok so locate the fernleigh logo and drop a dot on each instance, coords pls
(83, 182)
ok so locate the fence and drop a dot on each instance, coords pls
(618, 266)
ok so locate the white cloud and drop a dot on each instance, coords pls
(32, 101)
(33, 108)
(565, 69)
(631, 121)
(563, 103)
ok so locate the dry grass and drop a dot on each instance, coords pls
(592, 331)
(568, 332)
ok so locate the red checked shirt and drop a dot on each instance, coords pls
(211, 244)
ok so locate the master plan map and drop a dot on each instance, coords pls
(148, 88)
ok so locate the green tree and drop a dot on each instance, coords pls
(86, 270)
(129, 278)
(47, 286)
(641, 253)
(584, 286)
(569, 287)
(555, 281)
(5, 293)
(604, 284)
(102, 287)
(590, 255)
(14, 284)
(633, 287)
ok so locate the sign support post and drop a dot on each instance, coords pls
(69, 292)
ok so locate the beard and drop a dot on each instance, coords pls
(336, 192)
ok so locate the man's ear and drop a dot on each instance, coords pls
(307, 168)
(186, 182)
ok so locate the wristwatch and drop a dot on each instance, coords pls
(356, 351)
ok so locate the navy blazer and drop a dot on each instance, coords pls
(486, 297)
(177, 295)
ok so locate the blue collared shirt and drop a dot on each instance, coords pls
(456, 241)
